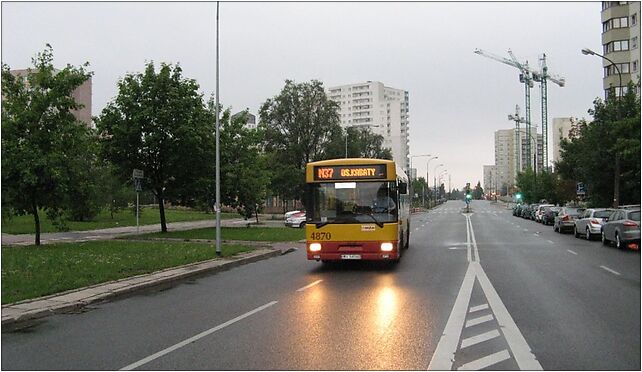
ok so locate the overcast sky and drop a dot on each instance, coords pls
(457, 98)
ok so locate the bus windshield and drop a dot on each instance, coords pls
(352, 202)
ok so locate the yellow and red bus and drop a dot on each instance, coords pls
(356, 209)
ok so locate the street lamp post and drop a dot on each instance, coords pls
(616, 176)
(414, 156)
(441, 174)
(434, 171)
(428, 178)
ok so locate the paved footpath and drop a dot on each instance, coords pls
(115, 232)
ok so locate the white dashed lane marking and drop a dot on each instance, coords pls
(570, 251)
(610, 270)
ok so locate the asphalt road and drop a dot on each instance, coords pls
(499, 292)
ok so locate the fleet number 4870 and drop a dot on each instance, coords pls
(321, 236)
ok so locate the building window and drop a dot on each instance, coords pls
(634, 19)
(620, 22)
(634, 43)
(616, 46)
(635, 66)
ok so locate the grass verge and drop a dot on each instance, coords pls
(30, 272)
(148, 216)
(266, 234)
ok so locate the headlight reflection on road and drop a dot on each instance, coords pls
(387, 303)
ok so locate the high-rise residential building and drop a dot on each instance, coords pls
(561, 129)
(490, 179)
(81, 95)
(382, 109)
(621, 44)
(509, 162)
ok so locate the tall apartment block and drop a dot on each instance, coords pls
(81, 95)
(508, 161)
(561, 129)
(250, 119)
(382, 109)
(621, 44)
(491, 179)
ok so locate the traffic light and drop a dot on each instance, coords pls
(469, 196)
(518, 196)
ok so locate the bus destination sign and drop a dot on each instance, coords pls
(350, 172)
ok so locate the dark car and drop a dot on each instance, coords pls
(622, 227)
(565, 219)
(517, 209)
(549, 215)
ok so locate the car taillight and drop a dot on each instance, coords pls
(595, 222)
(630, 224)
(566, 218)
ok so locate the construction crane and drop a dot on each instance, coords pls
(525, 77)
(518, 143)
(541, 77)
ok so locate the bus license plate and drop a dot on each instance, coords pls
(350, 256)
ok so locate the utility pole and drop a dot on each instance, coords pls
(217, 206)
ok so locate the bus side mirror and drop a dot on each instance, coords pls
(403, 188)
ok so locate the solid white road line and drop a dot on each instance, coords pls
(479, 338)
(195, 338)
(468, 250)
(444, 354)
(518, 345)
(610, 270)
(478, 308)
(570, 251)
(485, 361)
(550, 241)
(472, 234)
(480, 320)
(309, 285)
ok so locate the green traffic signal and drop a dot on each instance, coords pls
(469, 196)
(518, 195)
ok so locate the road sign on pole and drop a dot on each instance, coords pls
(580, 189)
(137, 175)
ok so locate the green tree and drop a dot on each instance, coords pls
(609, 145)
(244, 168)
(299, 124)
(159, 123)
(44, 147)
(478, 192)
(362, 143)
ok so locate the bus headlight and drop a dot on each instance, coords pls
(315, 247)
(386, 247)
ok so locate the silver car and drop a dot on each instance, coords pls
(589, 224)
(565, 219)
(622, 227)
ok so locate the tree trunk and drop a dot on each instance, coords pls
(36, 219)
(256, 212)
(161, 208)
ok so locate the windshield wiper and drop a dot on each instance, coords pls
(319, 225)
(379, 223)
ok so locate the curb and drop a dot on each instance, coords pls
(16, 314)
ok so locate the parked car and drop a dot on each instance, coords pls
(622, 227)
(517, 209)
(525, 211)
(565, 219)
(288, 214)
(548, 217)
(539, 212)
(531, 212)
(296, 220)
(590, 222)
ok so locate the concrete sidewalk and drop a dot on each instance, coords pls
(20, 313)
(115, 232)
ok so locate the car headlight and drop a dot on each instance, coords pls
(315, 247)
(386, 247)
